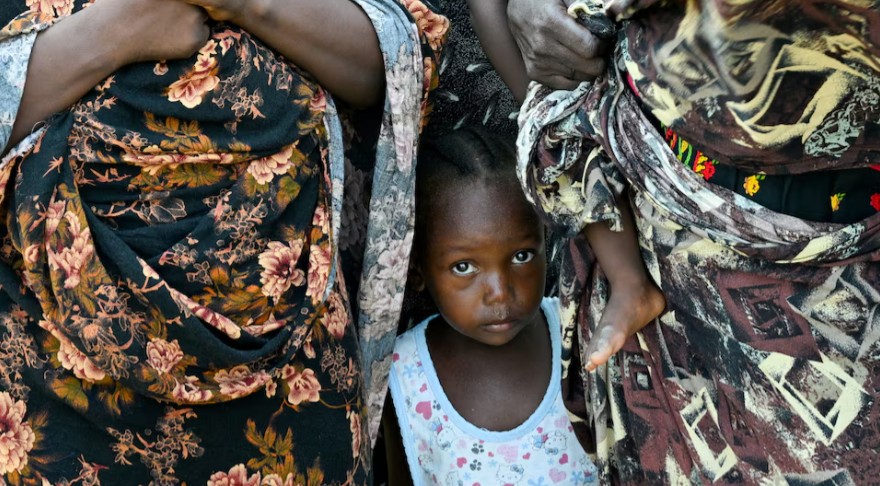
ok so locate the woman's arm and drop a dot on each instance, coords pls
(72, 56)
(489, 18)
(333, 40)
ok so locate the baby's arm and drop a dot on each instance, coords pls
(635, 299)
(489, 18)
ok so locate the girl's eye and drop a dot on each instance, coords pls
(463, 268)
(524, 256)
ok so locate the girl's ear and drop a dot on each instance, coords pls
(415, 277)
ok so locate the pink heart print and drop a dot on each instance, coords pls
(461, 462)
(424, 408)
(557, 475)
(508, 452)
(563, 459)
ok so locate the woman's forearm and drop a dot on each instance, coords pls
(334, 40)
(67, 60)
(75, 54)
(489, 18)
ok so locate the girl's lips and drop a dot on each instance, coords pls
(498, 326)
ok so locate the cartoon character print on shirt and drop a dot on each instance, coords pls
(510, 474)
(445, 435)
(556, 442)
(583, 472)
(425, 459)
(552, 443)
(453, 479)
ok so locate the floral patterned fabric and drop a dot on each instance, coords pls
(14, 57)
(766, 367)
(173, 309)
(836, 196)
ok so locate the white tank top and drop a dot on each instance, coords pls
(442, 448)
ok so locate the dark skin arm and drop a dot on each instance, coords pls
(333, 40)
(398, 470)
(547, 45)
(489, 18)
(72, 56)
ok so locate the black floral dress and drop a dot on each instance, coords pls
(174, 309)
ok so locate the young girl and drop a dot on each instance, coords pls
(476, 388)
(635, 300)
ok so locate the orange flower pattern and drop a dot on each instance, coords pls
(752, 184)
(173, 279)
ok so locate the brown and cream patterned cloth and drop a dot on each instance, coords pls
(766, 367)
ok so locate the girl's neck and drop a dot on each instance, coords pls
(446, 339)
(493, 387)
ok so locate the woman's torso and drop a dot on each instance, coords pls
(780, 86)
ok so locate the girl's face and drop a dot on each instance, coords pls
(482, 259)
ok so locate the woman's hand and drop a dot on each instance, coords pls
(558, 52)
(222, 10)
(333, 40)
(150, 30)
(72, 56)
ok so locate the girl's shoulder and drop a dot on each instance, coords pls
(413, 335)
(409, 345)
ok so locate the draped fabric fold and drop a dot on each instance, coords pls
(765, 367)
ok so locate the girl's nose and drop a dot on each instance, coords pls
(498, 289)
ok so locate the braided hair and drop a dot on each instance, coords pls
(467, 153)
(464, 155)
